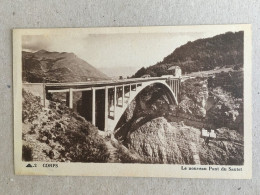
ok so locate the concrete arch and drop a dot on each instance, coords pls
(112, 123)
(170, 93)
(104, 110)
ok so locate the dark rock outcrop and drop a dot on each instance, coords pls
(158, 141)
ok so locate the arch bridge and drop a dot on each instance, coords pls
(104, 102)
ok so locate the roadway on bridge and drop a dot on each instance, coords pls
(102, 83)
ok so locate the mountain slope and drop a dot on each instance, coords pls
(202, 54)
(45, 66)
(57, 134)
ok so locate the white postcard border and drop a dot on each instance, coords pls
(133, 170)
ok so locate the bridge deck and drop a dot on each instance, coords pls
(102, 83)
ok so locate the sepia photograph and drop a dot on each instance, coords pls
(133, 101)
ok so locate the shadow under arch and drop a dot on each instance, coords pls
(159, 84)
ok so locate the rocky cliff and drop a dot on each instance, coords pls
(159, 141)
(163, 133)
(211, 106)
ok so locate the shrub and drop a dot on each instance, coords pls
(75, 141)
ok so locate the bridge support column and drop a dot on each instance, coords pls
(179, 85)
(86, 105)
(106, 109)
(94, 107)
(44, 95)
(173, 86)
(115, 101)
(123, 95)
(69, 98)
(129, 90)
(135, 87)
(178, 88)
(176, 93)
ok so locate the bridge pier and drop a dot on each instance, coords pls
(69, 98)
(94, 106)
(123, 95)
(44, 95)
(115, 98)
(86, 110)
(106, 109)
(174, 84)
(135, 87)
(178, 89)
(129, 91)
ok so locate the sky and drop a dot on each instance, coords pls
(115, 54)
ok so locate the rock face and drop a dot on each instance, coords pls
(159, 141)
(194, 96)
(163, 133)
(226, 111)
(155, 142)
(201, 106)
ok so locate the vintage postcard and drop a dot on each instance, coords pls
(171, 101)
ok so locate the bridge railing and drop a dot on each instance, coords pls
(102, 83)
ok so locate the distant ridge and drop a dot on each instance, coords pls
(45, 66)
(201, 55)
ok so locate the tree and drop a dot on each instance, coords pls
(139, 73)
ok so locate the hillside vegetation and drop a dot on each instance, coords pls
(202, 54)
(58, 134)
(45, 66)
